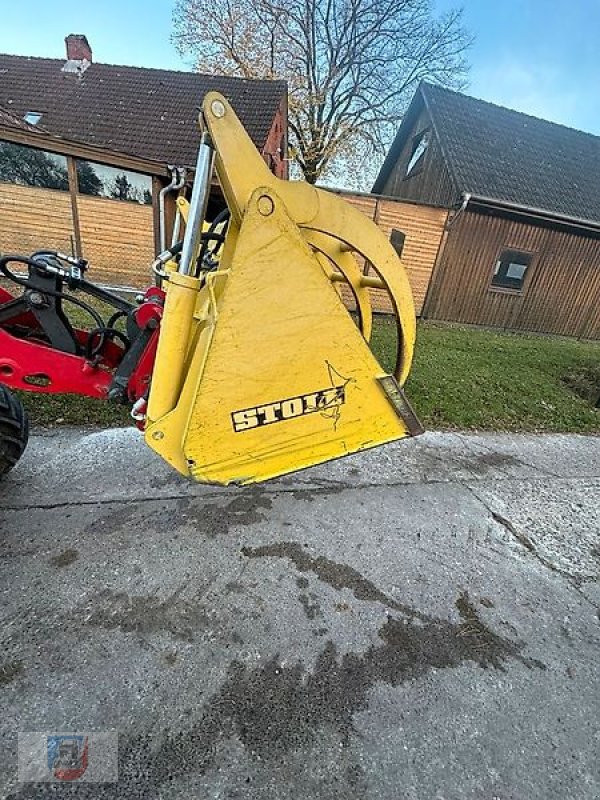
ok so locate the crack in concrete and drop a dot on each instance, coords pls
(526, 542)
(309, 489)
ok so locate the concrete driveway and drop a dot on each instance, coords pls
(420, 621)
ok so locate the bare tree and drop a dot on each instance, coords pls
(351, 65)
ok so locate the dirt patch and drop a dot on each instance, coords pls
(147, 614)
(65, 558)
(585, 382)
(10, 671)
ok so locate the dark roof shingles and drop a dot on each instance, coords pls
(149, 113)
(8, 120)
(506, 155)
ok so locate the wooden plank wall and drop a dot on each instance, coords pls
(423, 227)
(32, 219)
(118, 240)
(561, 292)
(117, 237)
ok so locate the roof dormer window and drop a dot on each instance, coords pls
(32, 117)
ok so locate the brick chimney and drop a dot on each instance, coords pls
(78, 48)
(79, 54)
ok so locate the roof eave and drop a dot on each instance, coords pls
(70, 147)
(531, 211)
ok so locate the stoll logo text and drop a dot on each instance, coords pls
(301, 405)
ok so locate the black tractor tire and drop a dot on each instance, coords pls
(14, 430)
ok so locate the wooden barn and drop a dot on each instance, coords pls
(521, 245)
(86, 148)
(416, 230)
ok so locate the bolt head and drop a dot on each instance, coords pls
(217, 108)
(37, 299)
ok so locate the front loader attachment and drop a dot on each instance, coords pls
(260, 368)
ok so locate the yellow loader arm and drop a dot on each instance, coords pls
(260, 369)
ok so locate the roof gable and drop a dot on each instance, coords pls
(506, 155)
(150, 113)
(497, 153)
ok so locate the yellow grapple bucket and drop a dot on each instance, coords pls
(260, 368)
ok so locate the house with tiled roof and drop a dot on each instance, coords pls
(86, 148)
(521, 247)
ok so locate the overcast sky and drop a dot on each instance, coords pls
(537, 56)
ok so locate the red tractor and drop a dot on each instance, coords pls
(41, 351)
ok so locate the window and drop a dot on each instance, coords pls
(417, 156)
(30, 167)
(510, 270)
(397, 240)
(33, 117)
(117, 184)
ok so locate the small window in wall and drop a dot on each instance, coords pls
(28, 166)
(420, 144)
(510, 270)
(117, 184)
(397, 240)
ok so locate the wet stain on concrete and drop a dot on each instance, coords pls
(234, 587)
(10, 670)
(497, 460)
(108, 519)
(482, 464)
(311, 606)
(65, 558)
(146, 614)
(170, 658)
(342, 607)
(336, 575)
(476, 464)
(211, 519)
(341, 576)
(274, 709)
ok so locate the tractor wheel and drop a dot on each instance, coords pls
(14, 430)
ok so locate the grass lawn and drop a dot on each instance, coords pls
(461, 379)
(466, 378)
